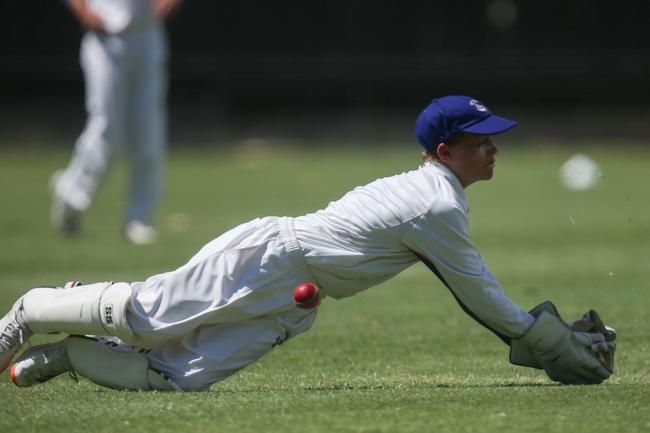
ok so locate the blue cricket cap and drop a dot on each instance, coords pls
(449, 115)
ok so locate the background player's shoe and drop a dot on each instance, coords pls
(40, 364)
(63, 217)
(14, 332)
(140, 233)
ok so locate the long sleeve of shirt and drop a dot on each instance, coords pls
(440, 239)
(377, 230)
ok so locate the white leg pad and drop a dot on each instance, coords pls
(95, 309)
(112, 368)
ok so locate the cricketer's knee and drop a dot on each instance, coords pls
(93, 309)
(115, 368)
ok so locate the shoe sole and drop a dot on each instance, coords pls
(12, 375)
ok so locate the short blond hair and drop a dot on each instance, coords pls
(429, 155)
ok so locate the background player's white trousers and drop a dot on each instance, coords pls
(224, 309)
(126, 84)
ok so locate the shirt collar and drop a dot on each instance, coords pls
(449, 175)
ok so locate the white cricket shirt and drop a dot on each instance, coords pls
(375, 231)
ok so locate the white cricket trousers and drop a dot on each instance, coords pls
(126, 82)
(224, 309)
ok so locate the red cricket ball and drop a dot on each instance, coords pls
(306, 295)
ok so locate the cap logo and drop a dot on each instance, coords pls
(474, 103)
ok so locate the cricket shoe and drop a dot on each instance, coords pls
(140, 233)
(14, 332)
(40, 364)
(64, 218)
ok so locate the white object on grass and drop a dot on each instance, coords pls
(580, 172)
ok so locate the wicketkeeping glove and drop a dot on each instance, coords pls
(605, 349)
(580, 353)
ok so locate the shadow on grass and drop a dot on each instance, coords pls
(345, 387)
(386, 387)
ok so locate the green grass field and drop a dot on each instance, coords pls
(400, 357)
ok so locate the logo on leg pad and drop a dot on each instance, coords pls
(108, 314)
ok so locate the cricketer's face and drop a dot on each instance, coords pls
(472, 158)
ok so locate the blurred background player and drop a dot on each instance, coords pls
(124, 59)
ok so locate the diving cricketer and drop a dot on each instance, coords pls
(234, 300)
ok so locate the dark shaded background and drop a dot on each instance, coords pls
(299, 68)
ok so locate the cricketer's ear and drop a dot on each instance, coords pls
(444, 155)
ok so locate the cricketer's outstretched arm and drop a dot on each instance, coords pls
(440, 238)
